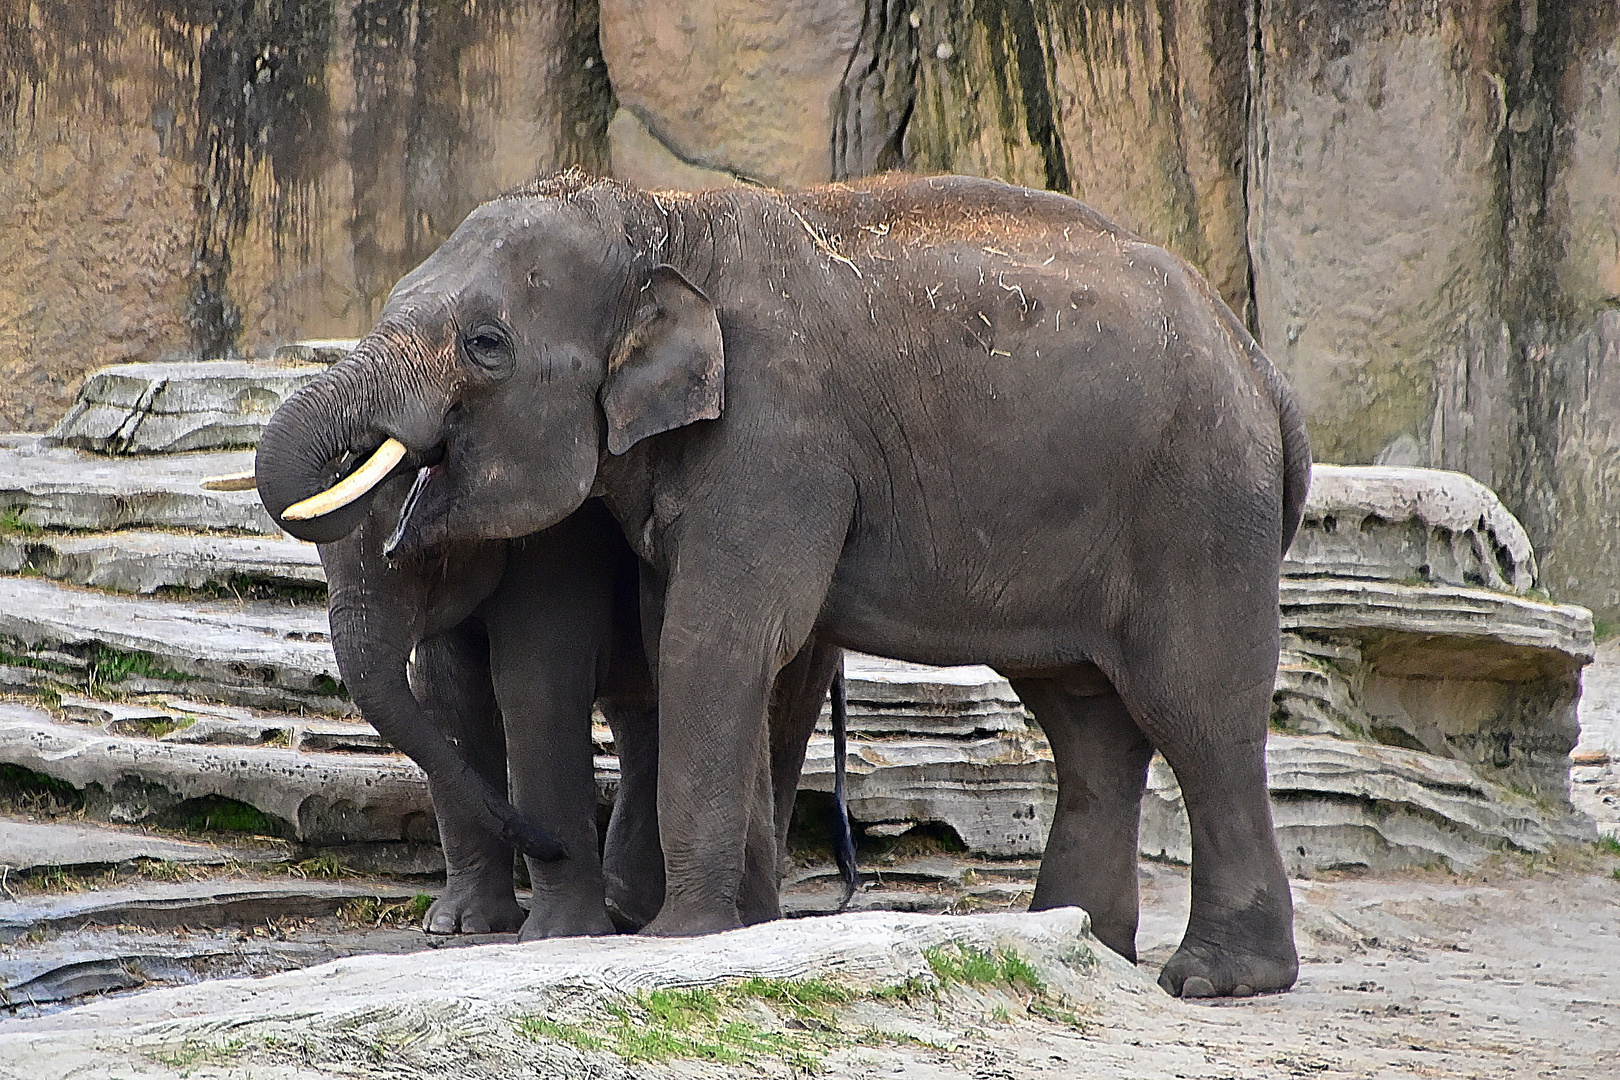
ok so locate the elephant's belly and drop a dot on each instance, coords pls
(1023, 620)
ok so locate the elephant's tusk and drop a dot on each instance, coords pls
(351, 487)
(240, 481)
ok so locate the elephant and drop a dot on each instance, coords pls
(505, 646)
(942, 419)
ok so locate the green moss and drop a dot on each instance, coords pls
(110, 666)
(1603, 629)
(330, 687)
(215, 813)
(1609, 844)
(16, 654)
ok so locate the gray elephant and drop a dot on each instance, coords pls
(505, 645)
(945, 420)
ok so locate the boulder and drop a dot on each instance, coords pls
(1340, 804)
(147, 561)
(1418, 526)
(548, 1007)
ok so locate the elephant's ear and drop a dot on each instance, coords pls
(669, 370)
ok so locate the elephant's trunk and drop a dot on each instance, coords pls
(383, 406)
(372, 644)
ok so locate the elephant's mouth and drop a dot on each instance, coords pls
(359, 475)
(413, 497)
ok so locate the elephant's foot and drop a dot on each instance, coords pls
(691, 923)
(629, 909)
(475, 904)
(1200, 969)
(552, 916)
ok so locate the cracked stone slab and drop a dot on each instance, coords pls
(191, 903)
(144, 561)
(260, 653)
(25, 845)
(1501, 635)
(63, 488)
(1403, 524)
(170, 407)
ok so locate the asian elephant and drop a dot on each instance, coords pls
(941, 419)
(506, 645)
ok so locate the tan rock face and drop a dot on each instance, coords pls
(174, 185)
(1136, 108)
(738, 86)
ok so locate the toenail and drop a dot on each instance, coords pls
(1197, 986)
(1243, 990)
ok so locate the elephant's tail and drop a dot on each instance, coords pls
(843, 836)
(1296, 446)
(1296, 441)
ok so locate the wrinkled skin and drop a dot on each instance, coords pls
(509, 643)
(944, 420)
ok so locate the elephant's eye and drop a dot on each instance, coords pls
(489, 348)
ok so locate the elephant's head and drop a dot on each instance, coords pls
(542, 333)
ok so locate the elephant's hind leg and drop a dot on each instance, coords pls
(450, 677)
(1102, 759)
(1207, 709)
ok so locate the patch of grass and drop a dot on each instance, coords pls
(16, 654)
(12, 524)
(973, 967)
(109, 666)
(246, 587)
(1608, 844)
(575, 1035)
(194, 1052)
(1615, 873)
(321, 866)
(164, 870)
(1604, 629)
(700, 1024)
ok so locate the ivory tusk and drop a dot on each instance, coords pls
(240, 481)
(350, 488)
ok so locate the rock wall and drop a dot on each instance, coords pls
(1413, 203)
(185, 180)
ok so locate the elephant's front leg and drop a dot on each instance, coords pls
(450, 677)
(720, 651)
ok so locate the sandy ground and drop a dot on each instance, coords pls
(1510, 973)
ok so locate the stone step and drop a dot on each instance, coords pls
(192, 904)
(267, 654)
(27, 844)
(171, 407)
(143, 561)
(45, 487)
